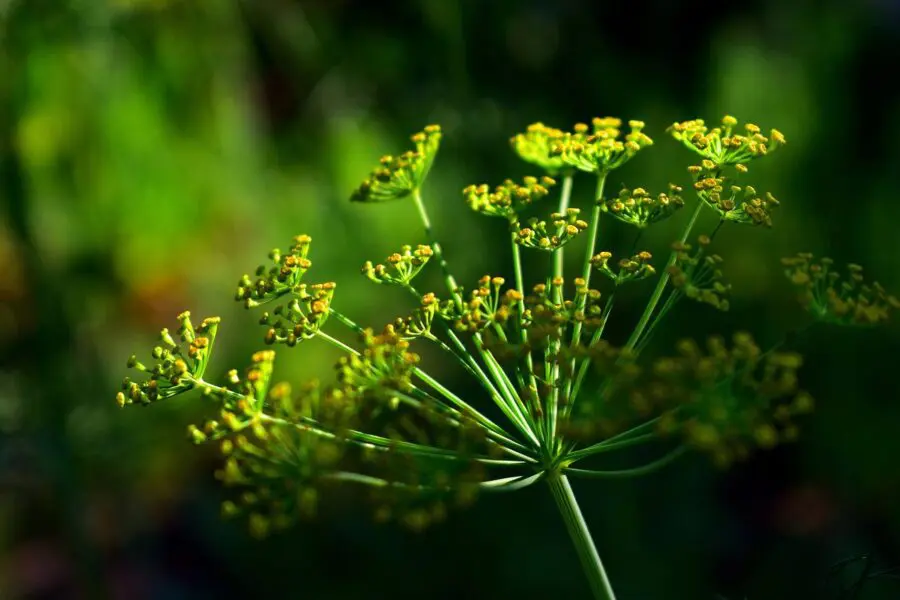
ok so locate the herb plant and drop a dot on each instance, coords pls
(555, 392)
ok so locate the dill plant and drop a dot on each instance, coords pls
(555, 392)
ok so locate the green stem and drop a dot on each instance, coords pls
(564, 199)
(608, 446)
(515, 409)
(464, 407)
(452, 287)
(589, 252)
(512, 405)
(661, 285)
(674, 296)
(520, 287)
(581, 537)
(635, 472)
(586, 275)
(573, 390)
(493, 485)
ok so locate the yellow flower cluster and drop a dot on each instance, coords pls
(834, 298)
(723, 145)
(397, 177)
(600, 146)
(401, 266)
(539, 235)
(508, 198)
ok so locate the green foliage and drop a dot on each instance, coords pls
(542, 359)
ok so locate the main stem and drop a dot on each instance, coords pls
(581, 537)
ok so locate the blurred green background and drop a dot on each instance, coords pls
(151, 151)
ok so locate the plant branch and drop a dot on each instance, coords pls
(564, 199)
(661, 285)
(635, 472)
(609, 446)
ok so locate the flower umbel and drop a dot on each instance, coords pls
(550, 387)
(176, 365)
(637, 207)
(539, 235)
(723, 145)
(629, 269)
(401, 266)
(833, 298)
(698, 275)
(508, 198)
(601, 146)
(536, 146)
(398, 176)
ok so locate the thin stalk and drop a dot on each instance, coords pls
(635, 472)
(344, 320)
(461, 359)
(512, 406)
(673, 297)
(486, 381)
(589, 252)
(383, 444)
(580, 536)
(661, 285)
(586, 272)
(337, 343)
(449, 280)
(520, 287)
(455, 400)
(511, 484)
(491, 485)
(553, 404)
(515, 408)
(608, 446)
(573, 390)
(564, 199)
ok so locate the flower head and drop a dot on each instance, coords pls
(397, 177)
(301, 317)
(698, 275)
(600, 146)
(639, 208)
(733, 202)
(629, 269)
(842, 300)
(401, 267)
(306, 306)
(278, 280)
(535, 146)
(723, 145)
(549, 237)
(178, 365)
(508, 198)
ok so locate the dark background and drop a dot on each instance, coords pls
(153, 150)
